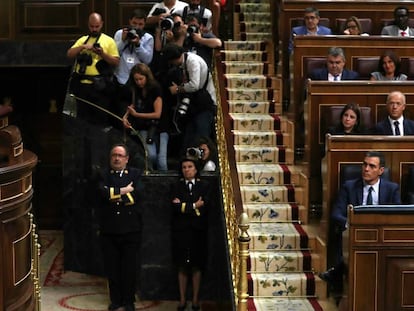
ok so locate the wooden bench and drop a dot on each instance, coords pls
(289, 10)
(321, 95)
(345, 150)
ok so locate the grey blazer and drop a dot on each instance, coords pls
(393, 30)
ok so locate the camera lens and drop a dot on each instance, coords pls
(183, 108)
(167, 23)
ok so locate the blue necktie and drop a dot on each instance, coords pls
(397, 128)
(369, 197)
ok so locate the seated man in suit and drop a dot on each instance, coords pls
(334, 70)
(369, 189)
(400, 27)
(311, 27)
(395, 123)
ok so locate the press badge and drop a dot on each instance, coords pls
(130, 60)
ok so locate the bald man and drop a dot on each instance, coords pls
(96, 56)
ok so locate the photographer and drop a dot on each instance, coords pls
(134, 45)
(205, 154)
(96, 55)
(163, 9)
(199, 40)
(147, 112)
(205, 14)
(195, 93)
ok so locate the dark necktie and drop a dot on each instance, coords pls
(397, 129)
(336, 78)
(369, 196)
(190, 186)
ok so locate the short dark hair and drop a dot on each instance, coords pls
(401, 7)
(121, 145)
(376, 154)
(312, 10)
(138, 13)
(172, 51)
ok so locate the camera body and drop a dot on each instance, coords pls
(134, 33)
(159, 11)
(84, 60)
(168, 23)
(192, 29)
(96, 45)
(194, 152)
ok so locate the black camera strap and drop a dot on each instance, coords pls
(200, 12)
(96, 40)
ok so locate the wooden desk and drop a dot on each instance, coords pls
(381, 256)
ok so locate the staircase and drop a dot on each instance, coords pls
(284, 253)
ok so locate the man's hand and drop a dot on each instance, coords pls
(129, 188)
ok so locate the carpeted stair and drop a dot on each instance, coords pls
(274, 191)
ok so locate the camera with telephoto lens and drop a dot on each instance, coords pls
(84, 60)
(168, 23)
(134, 33)
(183, 106)
(194, 152)
(192, 29)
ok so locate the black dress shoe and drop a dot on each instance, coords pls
(182, 307)
(114, 306)
(334, 277)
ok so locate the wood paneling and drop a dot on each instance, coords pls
(381, 272)
(322, 95)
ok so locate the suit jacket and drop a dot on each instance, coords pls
(384, 127)
(352, 193)
(393, 30)
(322, 74)
(120, 214)
(302, 30)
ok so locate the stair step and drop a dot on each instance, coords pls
(263, 36)
(276, 236)
(239, 106)
(249, 94)
(264, 138)
(272, 194)
(271, 212)
(252, 154)
(236, 81)
(252, 121)
(238, 67)
(281, 284)
(253, 7)
(255, 26)
(283, 304)
(255, 17)
(234, 45)
(267, 174)
(243, 56)
(279, 261)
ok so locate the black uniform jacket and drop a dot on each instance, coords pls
(120, 213)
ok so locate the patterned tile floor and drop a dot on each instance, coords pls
(67, 290)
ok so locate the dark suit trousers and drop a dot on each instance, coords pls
(121, 264)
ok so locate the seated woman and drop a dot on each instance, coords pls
(350, 121)
(353, 27)
(388, 68)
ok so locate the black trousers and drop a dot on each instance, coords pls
(121, 264)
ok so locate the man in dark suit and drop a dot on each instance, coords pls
(400, 27)
(395, 123)
(334, 70)
(311, 27)
(369, 189)
(120, 227)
